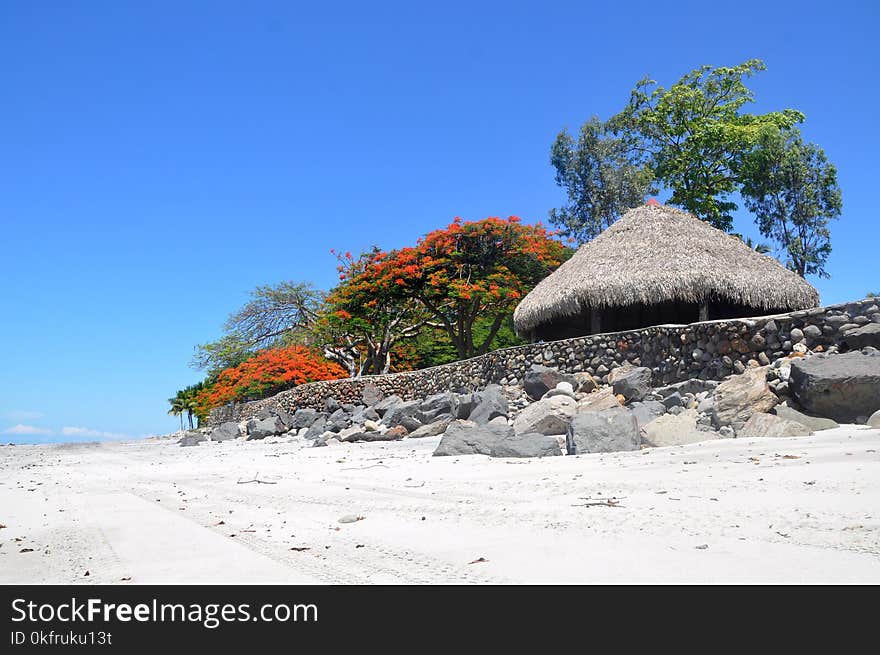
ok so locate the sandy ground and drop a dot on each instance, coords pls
(802, 510)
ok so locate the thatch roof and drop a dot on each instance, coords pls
(656, 253)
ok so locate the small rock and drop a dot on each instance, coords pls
(192, 439)
(815, 423)
(769, 425)
(676, 430)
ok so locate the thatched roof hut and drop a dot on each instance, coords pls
(658, 265)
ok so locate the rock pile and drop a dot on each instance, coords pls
(553, 413)
(711, 350)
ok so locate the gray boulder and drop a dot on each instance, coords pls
(539, 380)
(843, 387)
(338, 420)
(431, 430)
(317, 428)
(605, 431)
(634, 384)
(550, 415)
(304, 418)
(275, 412)
(267, 427)
(397, 412)
(673, 400)
(439, 402)
(358, 415)
(646, 411)
(192, 438)
(815, 423)
(434, 406)
(463, 404)
(226, 431)
(530, 444)
(386, 403)
(491, 405)
(395, 434)
(874, 419)
(411, 423)
(676, 430)
(468, 438)
(740, 396)
(770, 425)
(331, 404)
(867, 335)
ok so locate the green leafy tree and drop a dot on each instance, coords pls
(695, 134)
(603, 176)
(276, 315)
(792, 189)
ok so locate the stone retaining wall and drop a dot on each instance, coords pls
(708, 350)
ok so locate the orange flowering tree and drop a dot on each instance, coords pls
(467, 271)
(267, 373)
(369, 319)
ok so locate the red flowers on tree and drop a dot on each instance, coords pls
(469, 270)
(268, 372)
(367, 318)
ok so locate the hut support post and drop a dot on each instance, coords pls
(595, 321)
(704, 310)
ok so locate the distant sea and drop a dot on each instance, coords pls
(33, 439)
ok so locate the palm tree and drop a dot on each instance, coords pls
(762, 248)
(177, 407)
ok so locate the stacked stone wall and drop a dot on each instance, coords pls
(709, 350)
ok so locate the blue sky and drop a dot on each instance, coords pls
(159, 160)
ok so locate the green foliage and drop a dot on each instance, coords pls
(792, 189)
(433, 346)
(185, 402)
(274, 316)
(603, 177)
(695, 135)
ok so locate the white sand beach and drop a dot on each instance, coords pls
(784, 510)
